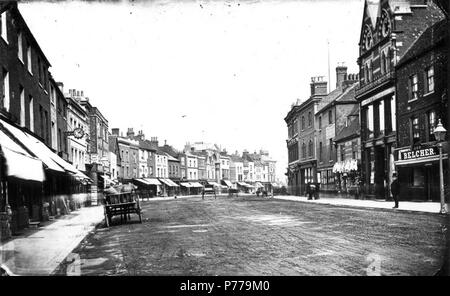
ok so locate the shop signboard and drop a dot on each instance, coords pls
(408, 154)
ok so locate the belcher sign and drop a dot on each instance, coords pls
(419, 153)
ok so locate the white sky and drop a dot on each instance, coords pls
(232, 67)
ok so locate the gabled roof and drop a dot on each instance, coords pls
(346, 95)
(427, 40)
(353, 130)
(372, 10)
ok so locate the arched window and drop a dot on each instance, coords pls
(309, 119)
(383, 63)
(303, 122)
(303, 150)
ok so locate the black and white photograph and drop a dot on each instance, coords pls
(225, 140)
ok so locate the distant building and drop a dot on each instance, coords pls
(77, 147)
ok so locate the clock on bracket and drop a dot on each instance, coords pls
(78, 133)
(385, 24)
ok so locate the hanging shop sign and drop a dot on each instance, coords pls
(417, 153)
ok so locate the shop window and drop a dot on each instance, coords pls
(429, 79)
(418, 177)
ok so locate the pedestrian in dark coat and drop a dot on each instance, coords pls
(308, 190)
(395, 189)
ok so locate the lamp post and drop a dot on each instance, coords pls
(439, 133)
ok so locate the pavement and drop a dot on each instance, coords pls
(40, 251)
(334, 199)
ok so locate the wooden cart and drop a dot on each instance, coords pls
(122, 204)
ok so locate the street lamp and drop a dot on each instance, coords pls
(439, 133)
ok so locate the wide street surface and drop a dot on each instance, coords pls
(263, 236)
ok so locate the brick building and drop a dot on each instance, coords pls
(302, 166)
(331, 118)
(422, 100)
(24, 84)
(388, 29)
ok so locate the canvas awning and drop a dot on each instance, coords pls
(22, 166)
(213, 183)
(143, 181)
(152, 181)
(168, 182)
(51, 160)
(245, 184)
(259, 185)
(19, 162)
(228, 183)
(172, 183)
(185, 184)
(196, 184)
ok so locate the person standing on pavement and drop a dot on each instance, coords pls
(395, 189)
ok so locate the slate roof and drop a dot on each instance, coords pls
(338, 95)
(353, 130)
(429, 38)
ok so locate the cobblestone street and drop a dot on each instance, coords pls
(260, 236)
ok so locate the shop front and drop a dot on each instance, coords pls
(418, 172)
(307, 175)
(348, 176)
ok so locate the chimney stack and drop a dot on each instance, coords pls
(341, 75)
(115, 131)
(60, 86)
(318, 86)
(130, 133)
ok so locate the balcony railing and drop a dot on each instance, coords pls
(378, 80)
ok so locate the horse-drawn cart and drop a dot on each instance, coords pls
(123, 204)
